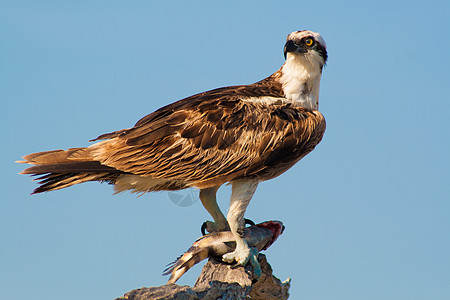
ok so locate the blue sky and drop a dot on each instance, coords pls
(367, 212)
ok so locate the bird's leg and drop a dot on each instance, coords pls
(242, 192)
(209, 201)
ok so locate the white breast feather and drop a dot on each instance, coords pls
(301, 81)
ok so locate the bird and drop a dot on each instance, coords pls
(240, 135)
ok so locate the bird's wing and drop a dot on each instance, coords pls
(212, 136)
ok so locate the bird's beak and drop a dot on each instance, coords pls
(290, 46)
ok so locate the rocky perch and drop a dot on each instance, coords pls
(220, 281)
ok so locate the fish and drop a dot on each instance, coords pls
(260, 236)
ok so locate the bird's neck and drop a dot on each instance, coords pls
(300, 81)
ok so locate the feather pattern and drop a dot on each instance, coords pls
(214, 141)
(201, 141)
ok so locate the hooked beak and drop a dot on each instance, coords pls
(290, 46)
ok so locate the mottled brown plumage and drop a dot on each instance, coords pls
(204, 140)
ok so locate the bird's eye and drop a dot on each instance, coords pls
(309, 42)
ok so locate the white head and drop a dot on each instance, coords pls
(306, 54)
(306, 44)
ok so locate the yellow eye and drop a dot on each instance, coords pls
(309, 42)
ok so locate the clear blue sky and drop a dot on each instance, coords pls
(367, 213)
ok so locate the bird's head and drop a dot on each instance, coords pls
(306, 45)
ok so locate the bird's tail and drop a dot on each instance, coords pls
(63, 168)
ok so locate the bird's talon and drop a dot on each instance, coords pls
(209, 227)
(249, 222)
(203, 228)
(240, 256)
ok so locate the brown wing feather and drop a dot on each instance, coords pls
(214, 141)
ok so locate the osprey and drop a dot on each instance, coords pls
(241, 135)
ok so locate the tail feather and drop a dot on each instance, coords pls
(64, 168)
(55, 156)
(69, 167)
(52, 181)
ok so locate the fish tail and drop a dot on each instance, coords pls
(182, 264)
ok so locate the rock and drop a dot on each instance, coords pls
(268, 286)
(217, 290)
(215, 270)
(220, 281)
